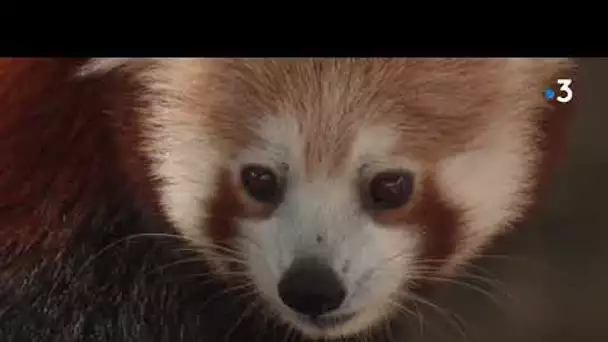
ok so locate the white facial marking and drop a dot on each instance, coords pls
(490, 181)
(322, 218)
(187, 158)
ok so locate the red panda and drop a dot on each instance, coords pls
(168, 199)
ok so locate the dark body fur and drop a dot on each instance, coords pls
(109, 287)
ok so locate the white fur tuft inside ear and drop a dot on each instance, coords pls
(102, 65)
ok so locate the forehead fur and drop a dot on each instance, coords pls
(438, 106)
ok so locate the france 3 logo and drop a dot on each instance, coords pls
(564, 93)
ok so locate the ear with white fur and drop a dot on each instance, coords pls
(100, 66)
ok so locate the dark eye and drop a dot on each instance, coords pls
(390, 189)
(261, 183)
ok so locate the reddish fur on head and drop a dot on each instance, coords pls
(51, 147)
(68, 148)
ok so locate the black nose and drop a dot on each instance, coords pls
(311, 288)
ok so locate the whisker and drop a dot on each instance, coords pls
(493, 283)
(420, 319)
(294, 335)
(395, 303)
(423, 267)
(248, 311)
(226, 292)
(289, 333)
(420, 274)
(213, 247)
(466, 285)
(219, 257)
(487, 277)
(520, 259)
(443, 312)
(402, 308)
(508, 257)
(89, 261)
(206, 254)
(211, 274)
(123, 240)
(161, 268)
(377, 267)
(388, 331)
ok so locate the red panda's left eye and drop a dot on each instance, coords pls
(261, 183)
(389, 190)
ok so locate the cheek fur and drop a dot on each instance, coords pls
(228, 205)
(224, 208)
(437, 218)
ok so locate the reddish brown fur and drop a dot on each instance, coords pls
(50, 151)
(224, 207)
(330, 99)
(60, 154)
(120, 98)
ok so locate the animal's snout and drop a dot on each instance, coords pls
(311, 287)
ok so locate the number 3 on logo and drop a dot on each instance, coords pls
(565, 89)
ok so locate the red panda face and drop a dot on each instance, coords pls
(337, 186)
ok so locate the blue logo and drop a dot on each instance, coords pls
(549, 94)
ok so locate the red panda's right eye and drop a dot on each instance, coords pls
(261, 183)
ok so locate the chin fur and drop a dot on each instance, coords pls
(114, 169)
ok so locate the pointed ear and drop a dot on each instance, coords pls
(537, 70)
(100, 66)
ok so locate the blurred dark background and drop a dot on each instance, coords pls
(549, 280)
